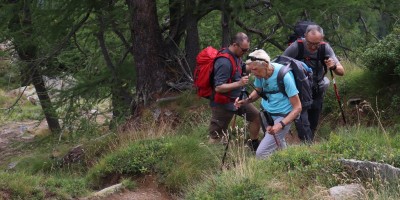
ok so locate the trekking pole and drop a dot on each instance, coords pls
(243, 92)
(243, 95)
(338, 97)
(267, 119)
(271, 122)
(227, 144)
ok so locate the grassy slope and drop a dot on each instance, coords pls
(184, 163)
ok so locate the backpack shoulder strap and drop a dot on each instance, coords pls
(281, 74)
(232, 60)
(300, 48)
(321, 55)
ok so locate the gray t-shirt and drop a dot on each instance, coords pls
(222, 72)
(313, 62)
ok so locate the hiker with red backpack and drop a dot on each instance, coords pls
(227, 82)
(282, 107)
(320, 57)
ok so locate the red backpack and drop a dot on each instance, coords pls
(204, 69)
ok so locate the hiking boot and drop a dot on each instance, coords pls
(253, 144)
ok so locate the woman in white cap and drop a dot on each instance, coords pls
(284, 109)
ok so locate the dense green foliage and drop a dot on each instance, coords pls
(88, 44)
(383, 58)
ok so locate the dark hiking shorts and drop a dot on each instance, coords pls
(221, 118)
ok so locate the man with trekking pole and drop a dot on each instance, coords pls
(320, 56)
(228, 82)
(279, 109)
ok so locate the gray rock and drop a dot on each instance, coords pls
(351, 191)
(74, 155)
(107, 191)
(28, 137)
(12, 165)
(372, 169)
(156, 114)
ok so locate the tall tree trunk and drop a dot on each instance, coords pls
(384, 25)
(226, 33)
(147, 39)
(27, 51)
(45, 101)
(192, 45)
(176, 27)
(225, 23)
(121, 98)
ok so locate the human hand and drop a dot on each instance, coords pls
(330, 63)
(274, 129)
(238, 103)
(244, 80)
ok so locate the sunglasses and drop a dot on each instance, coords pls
(243, 50)
(252, 58)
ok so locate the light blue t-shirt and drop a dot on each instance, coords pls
(277, 103)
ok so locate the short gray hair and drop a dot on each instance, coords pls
(239, 37)
(315, 28)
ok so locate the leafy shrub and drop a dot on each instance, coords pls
(134, 159)
(383, 57)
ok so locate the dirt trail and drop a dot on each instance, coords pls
(148, 189)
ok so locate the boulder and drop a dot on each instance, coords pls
(347, 192)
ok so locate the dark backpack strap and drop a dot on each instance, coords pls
(300, 48)
(321, 56)
(281, 74)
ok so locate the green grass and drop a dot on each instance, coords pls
(178, 160)
(185, 164)
(23, 186)
(381, 105)
(134, 159)
(22, 110)
(188, 159)
(303, 172)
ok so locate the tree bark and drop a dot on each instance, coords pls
(28, 53)
(45, 101)
(225, 24)
(121, 98)
(150, 71)
(192, 44)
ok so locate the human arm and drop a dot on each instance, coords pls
(226, 87)
(296, 104)
(332, 62)
(222, 73)
(252, 98)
